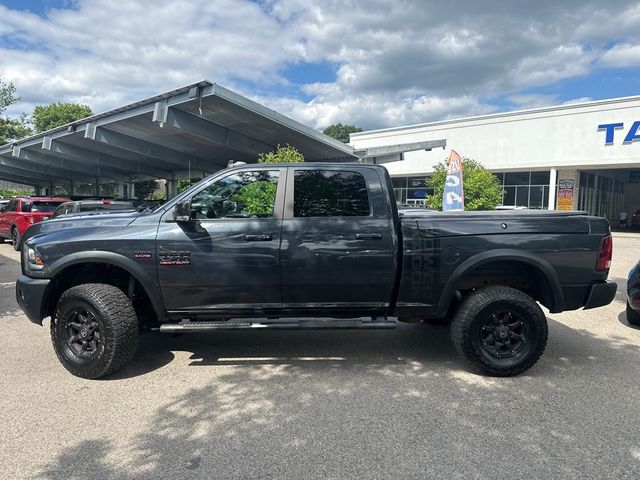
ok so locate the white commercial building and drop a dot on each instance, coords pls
(583, 156)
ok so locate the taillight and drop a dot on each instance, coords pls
(604, 257)
(32, 220)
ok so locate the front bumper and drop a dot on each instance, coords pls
(30, 294)
(601, 294)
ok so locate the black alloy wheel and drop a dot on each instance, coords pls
(94, 330)
(503, 334)
(499, 330)
(82, 330)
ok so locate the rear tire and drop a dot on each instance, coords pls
(94, 330)
(633, 317)
(15, 239)
(500, 331)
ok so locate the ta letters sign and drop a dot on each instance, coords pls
(631, 136)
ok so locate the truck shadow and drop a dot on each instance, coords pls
(405, 409)
(419, 342)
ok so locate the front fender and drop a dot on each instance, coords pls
(146, 280)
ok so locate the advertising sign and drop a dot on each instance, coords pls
(565, 194)
(453, 195)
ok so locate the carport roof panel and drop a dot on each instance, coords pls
(202, 121)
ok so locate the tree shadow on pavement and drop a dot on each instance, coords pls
(377, 405)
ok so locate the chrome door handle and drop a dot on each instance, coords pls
(368, 236)
(262, 237)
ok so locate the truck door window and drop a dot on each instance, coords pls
(241, 195)
(326, 193)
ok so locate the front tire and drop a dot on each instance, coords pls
(500, 331)
(633, 317)
(94, 330)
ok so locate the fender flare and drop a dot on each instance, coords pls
(529, 258)
(118, 260)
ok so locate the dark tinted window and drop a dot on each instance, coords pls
(539, 178)
(43, 207)
(12, 207)
(323, 193)
(516, 178)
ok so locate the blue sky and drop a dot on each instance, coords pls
(374, 63)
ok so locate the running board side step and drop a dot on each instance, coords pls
(333, 324)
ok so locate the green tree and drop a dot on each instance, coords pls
(7, 95)
(258, 197)
(144, 190)
(13, 129)
(482, 190)
(183, 183)
(46, 117)
(10, 128)
(283, 154)
(341, 132)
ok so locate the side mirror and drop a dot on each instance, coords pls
(182, 211)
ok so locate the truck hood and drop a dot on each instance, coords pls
(82, 222)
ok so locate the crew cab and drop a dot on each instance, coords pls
(275, 246)
(22, 212)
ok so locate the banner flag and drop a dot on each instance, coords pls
(453, 195)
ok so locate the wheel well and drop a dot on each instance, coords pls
(106, 273)
(511, 273)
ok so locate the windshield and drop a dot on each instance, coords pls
(106, 206)
(40, 207)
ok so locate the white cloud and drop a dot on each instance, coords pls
(622, 56)
(395, 62)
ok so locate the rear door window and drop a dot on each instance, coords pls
(40, 207)
(327, 193)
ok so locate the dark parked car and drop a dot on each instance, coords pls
(22, 212)
(91, 205)
(635, 220)
(278, 246)
(633, 296)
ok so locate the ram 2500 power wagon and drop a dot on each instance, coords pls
(278, 246)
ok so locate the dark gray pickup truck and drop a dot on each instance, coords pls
(278, 246)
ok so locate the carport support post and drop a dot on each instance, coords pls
(131, 194)
(553, 179)
(171, 188)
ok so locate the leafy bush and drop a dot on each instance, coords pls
(482, 190)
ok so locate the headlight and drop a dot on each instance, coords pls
(34, 259)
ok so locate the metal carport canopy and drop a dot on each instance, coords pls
(195, 129)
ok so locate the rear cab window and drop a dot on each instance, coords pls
(330, 193)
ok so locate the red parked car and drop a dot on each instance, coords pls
(21, 212)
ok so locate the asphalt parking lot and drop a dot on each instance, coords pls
(368, 404)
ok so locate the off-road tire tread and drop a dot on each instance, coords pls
(633, 317)
(469, 308)
(116, 310)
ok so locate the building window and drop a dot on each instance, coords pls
(525, 189)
